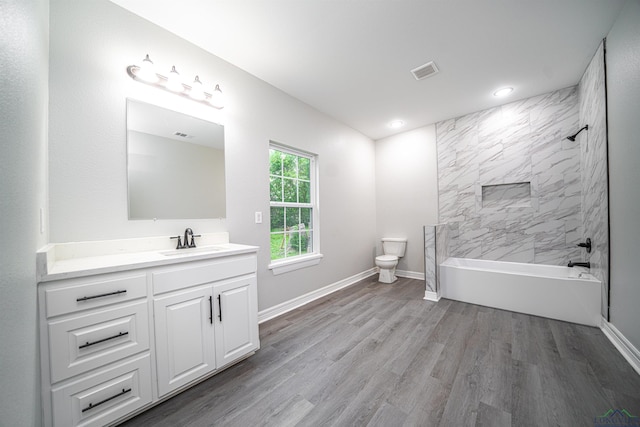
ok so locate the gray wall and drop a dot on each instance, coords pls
(593, 155)
(23, 150)
(482, 160)
(407, 191)
(623, 94)
(161, 176)
(92, 43)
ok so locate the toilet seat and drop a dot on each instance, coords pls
(387, 258)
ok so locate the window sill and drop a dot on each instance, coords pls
(285, 266)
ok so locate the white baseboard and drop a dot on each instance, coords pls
(431, 296)
(410, 274)
(285, 307)
(628, 350)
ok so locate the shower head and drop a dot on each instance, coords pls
(573, 137)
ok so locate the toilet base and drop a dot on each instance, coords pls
(387, 275)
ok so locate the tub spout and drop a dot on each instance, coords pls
(579, 264)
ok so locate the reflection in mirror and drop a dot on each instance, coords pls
(175, 164)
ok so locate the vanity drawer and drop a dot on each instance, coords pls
(81, 294)
(104, 396)
(198, 273)
(88, 341)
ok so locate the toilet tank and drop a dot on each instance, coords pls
(394, 246)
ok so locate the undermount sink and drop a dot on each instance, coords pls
(193, 251)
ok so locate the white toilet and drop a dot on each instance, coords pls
(393, 249)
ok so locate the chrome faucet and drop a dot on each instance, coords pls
(579, 264)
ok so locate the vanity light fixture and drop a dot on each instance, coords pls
(502, 92)
(173, 83)
(197, 92)
(217, 98)
(147, 71)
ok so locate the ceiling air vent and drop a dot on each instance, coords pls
(424, 71)
(183, 135)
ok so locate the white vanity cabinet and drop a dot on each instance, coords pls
(205, 318)
(96, 364)
(116, 342)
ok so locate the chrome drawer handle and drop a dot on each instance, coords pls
(101, 295)
(89, 344)
(92, 406)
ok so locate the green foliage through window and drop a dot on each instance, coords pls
(291, 204)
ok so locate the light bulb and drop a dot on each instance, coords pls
(173, 81)
(503, 92)
(217, 98)
(197, 92)
(147, 71)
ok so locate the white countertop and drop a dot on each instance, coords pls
(69, 260)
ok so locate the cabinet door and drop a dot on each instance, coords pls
(236, 319)
(184, 337)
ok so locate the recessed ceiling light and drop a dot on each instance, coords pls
(503, 92)
(396, 124)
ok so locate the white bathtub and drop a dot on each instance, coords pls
(555, 292)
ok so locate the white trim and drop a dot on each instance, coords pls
(287, 306)
(431, 296)
(410, 274)
(296, 263)
(624, 346)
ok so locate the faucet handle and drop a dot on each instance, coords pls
(180, 245)
(586, 245)
(193, 242)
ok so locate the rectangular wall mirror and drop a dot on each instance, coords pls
(175, 164)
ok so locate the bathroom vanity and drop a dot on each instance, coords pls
(133, 322)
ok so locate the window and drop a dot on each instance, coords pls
(293, 205)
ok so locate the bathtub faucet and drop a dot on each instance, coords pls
(579, 264)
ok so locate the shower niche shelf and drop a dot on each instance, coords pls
(505, 196)
(515, 195)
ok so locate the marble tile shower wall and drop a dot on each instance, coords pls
(593, 148)
(523, 144)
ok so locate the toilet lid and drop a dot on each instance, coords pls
(387, 258)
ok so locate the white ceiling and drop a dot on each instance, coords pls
(351, 59)
(158, 121)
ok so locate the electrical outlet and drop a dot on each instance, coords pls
(258, 217)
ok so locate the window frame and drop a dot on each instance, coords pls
(283, 265)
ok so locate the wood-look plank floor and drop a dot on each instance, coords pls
(380, 355)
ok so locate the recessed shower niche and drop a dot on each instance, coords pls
(505, 196)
